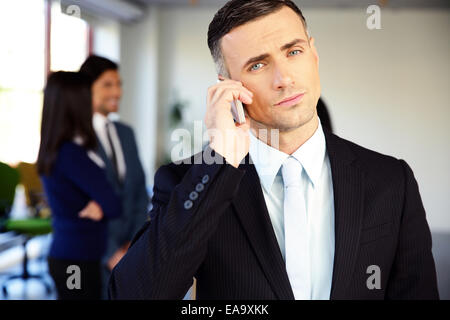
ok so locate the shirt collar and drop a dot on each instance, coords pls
(268, 160)
(312, 155)
(99, 121)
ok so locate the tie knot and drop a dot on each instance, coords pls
(291, 171)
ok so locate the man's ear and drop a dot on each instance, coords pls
(314, 49)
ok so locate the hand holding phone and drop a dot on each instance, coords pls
(225, 120)
(237, 109)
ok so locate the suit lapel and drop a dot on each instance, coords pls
(348, 188)
(254, 217)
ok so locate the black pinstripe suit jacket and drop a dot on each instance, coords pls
(227, 242)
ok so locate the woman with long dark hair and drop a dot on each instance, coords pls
(79, 195)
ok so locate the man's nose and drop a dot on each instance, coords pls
(282, 77)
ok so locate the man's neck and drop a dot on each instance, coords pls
(289, 141)
(102, 114)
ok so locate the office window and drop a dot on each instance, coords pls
(23, 69)
(69, 40)
(22, 77)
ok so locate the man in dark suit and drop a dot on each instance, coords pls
(277, 207)
(118, 149)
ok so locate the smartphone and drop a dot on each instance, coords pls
(237, 110)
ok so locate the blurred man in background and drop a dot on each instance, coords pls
(117, 147)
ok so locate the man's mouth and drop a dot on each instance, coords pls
(290, 101)
(113, 102)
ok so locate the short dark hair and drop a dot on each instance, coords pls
(67, 113)
(94, 66)
(236, 13)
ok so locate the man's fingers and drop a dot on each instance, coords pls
(230, 94)
(229, 97)
(233, 86)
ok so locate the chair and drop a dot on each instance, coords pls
(30, 227)
(9, 179)
(34, 192)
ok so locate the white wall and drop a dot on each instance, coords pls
(187, 69)
(139, 69)
(387, 89)
(106, 34)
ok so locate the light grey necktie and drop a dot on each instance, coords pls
(113, 151)
(296, 229)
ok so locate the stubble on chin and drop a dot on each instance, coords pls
(285, 123)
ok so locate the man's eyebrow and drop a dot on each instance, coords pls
(292, 43)
(256, 59)
(283, 47)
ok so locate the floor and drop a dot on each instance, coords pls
(31, 289)
(441, 254)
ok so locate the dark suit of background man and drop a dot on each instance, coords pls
(119, 151)
(313, 216)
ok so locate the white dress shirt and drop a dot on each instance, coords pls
(319, 201)
(99, 122)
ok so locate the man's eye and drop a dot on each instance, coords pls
(256, 66)
(295, 52)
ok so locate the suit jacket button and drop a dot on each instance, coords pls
(205, 179)
(188, 204)
(199, 187)
(193, 195)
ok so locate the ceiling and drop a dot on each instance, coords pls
(315, 3)
(133, 10)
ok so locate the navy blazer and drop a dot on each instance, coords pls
(224, 237)
(132, 191)
(75, 180)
